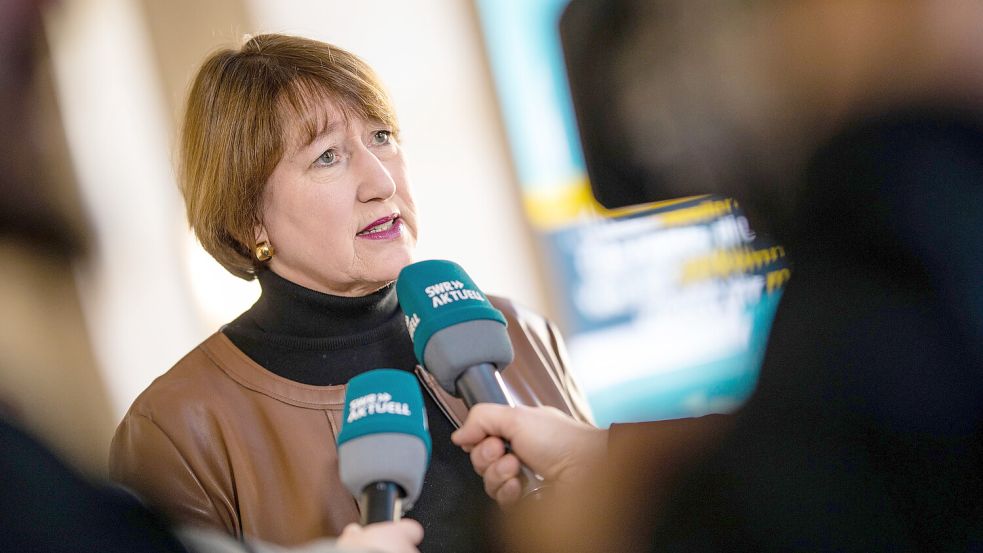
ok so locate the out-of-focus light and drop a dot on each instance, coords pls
(219, 297)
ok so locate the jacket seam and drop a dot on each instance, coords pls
(259, 388)
(184, 460)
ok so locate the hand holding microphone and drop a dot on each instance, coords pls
(459, 337)
(556, 446)
(383, 537)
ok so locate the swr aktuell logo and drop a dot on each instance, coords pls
(450, 291)
(373, 404)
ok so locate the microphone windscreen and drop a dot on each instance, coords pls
(451, 322)
(384, 435)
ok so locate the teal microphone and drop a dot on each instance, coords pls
(384, 445)
(459, 336)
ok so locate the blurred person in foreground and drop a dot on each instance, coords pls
(852, 131)
(47, 505)
(292, 173)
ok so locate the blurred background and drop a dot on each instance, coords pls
(665, 307)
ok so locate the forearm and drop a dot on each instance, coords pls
(666, 443)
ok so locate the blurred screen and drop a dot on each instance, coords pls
(665, 306)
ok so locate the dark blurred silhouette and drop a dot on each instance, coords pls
(48, 380)
(45, 505)
(852, 132)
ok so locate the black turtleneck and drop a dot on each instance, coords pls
(320, 339)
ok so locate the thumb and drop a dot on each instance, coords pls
(486, 419)
(412, 529)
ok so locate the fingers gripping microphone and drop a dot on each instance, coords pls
(458, 336)
(384, 444)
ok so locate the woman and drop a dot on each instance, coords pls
(292, 174)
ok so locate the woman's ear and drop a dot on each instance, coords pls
(260, 234)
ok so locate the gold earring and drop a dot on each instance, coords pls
(264, 251)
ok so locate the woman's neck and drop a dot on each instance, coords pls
(288, 309)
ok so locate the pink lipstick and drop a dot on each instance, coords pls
(385, 228)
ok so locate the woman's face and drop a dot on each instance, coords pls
(338, 211)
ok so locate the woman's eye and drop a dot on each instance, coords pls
(329, 157)
(380, 138)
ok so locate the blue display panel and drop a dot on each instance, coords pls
(666, 308)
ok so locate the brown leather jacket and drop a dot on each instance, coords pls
(220, 441)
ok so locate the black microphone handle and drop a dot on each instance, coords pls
(381, 502)
(483, 384)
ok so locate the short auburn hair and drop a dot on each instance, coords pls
(237, 119)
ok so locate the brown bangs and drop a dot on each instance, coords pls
(303, 100)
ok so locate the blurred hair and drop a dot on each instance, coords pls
(242, 107)
(39, 206)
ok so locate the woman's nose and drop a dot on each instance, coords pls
(374, 180)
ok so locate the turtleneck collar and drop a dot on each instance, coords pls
(288, 309)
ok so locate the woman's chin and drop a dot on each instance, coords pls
(388, 268)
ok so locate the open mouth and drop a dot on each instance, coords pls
(382, 227)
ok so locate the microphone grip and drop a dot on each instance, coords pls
(381, 502)
(483, 384)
